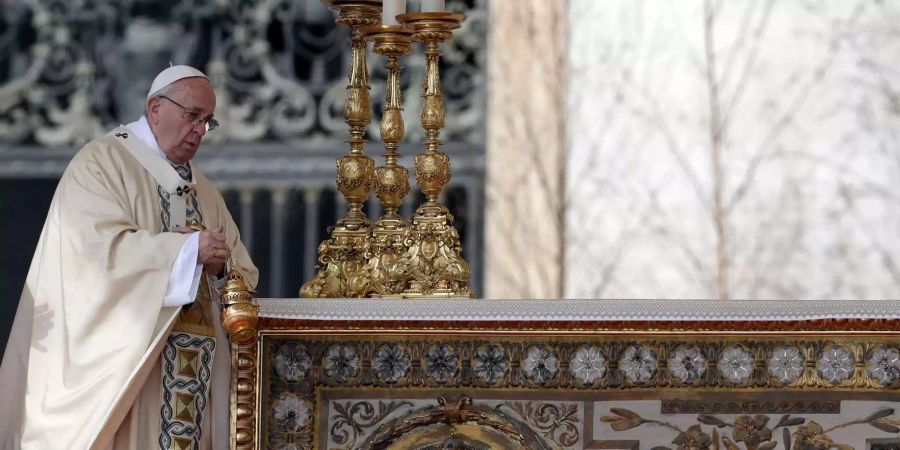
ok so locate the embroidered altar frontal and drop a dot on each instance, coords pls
(580, 383)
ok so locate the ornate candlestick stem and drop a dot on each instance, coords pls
(391, 180)
(342, 271)
(434, 263)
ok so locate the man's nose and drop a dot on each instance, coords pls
(200, 129)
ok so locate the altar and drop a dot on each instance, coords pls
(388, 349)
(574, 374)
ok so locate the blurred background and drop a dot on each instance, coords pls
(600, 149)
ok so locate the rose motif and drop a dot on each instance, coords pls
(491, 363)
(441, 362)
(341, 362)
(391, 362)
(835, 365)
(292, 362)
(290, 411)
(687, 364)
(587, 364)
(884, 365)
(541, 364)
(638, 363)
(736, 364)
(786, 364)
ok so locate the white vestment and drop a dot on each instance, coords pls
(90, 322)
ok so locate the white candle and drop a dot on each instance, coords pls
(432, 5)
(390, 10)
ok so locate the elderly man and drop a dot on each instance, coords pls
(116, 331)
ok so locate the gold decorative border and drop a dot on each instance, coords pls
(755, 328)
(859, 335)
(244, 395)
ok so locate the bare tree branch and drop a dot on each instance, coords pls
(766, 148)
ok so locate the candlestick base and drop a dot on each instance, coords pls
(433, 264)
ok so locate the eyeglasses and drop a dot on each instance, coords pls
(194, 117)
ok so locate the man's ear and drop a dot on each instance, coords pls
(153, 108)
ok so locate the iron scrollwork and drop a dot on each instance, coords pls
(71, 70)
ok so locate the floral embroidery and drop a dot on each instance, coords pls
(638, 363)
(736, 364)
(491, 363)
(884, 365)
(341, 362)
(587, 364)
(391, 362)
(540, 364)
(687, 364)
(291, 411)
(441, 362)
(786, 364)
(292, 362)
(835, 365)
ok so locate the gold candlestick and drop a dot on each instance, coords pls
(387, 244)
(342, 271)
(434, 263)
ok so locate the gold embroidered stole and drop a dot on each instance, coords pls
(187, 372)
(187, 357)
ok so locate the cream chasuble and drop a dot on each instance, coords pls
(90, 325)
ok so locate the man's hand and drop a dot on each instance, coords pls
(212, 250)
